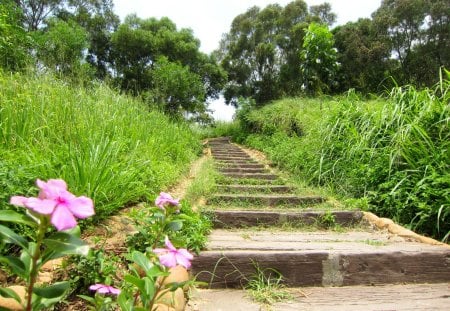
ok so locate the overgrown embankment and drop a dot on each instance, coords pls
(392, 151)
(105, 146)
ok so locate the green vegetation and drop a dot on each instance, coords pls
(392, 152)
(106, 146)
(266, 286)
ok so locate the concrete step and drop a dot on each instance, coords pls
(237, 163)
(251, 175)
(251, 218)
(266, 199)
(232, 158)
(398, 297)
(246, 165)
(242, 170)
(320, 258)
(255, 188)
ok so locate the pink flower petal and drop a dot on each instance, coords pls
(165, 198)
(104, 289)
(181, 260)
(41, 206)
(52, 188)
(63, 219)
(81, 207)
(18, 200)
(169, 244)
(184, 252)
(168, 260)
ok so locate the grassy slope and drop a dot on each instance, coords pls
(392, 152)
(106, 146)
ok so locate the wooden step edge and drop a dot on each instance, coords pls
(323, 268)
(246, 218)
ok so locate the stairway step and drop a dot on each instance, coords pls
(251, 218)
(252, 175)
(242, 170)
(255, 188)
(320, 258)
(266, 199)
(232, 158)
(398, 297)
(245, 165)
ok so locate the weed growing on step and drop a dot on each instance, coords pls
(265, 286)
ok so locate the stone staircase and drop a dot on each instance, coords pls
(253, 205)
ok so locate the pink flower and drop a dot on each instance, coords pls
(56, 201)
(166, 199)
(170, 256)
(104, 289)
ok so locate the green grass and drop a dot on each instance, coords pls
(203, 184)
(266, 286)
(389, 155)
(109, 147)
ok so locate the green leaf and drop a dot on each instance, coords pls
(142, 261)
(138, 282)
(9, 293)
(12, 216)
(175, 225)
(15, 264)
(52, 291)
(9, 236)
(64, 243)
(149, 288)
(124, 303)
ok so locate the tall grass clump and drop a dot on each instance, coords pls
(106, 146)
(393, 151)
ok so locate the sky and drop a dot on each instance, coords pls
(209, 19)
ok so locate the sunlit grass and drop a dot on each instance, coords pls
(109, 147)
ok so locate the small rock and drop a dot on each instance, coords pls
(162, 307)
(12, 304)
(52, 265)
(174, 299)
(177, 274)
(383, 222)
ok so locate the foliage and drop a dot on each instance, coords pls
(418, 35)
(61, 46)
(363, 56)
(151, 55)
(96, 267)
(319, 66)
(109, 147)
(261, 51)
(393, 151)
(14, 42)
(186, 228)
(177, 88)
(43, 247)
(266, 286)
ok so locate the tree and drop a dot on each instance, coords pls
(364, 56)
(261, 52)
(148, 53)
(14, 42)
(177, 88)
(95, 16)
(319, 62)
(61, 46)
(322, 14)
(418, 31)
